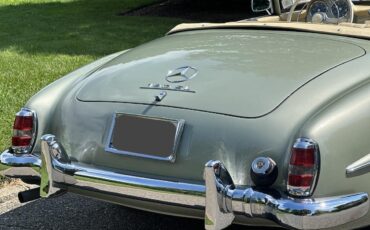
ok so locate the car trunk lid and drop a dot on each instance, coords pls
(239, 72)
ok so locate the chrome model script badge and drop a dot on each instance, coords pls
(178, 75)
(181, 74)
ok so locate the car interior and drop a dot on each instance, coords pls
(355, 13)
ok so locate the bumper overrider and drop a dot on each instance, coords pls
(221, 199)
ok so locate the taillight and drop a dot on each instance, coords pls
(303, 167)
(24, 131)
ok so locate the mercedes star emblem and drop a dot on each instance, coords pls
(181, 74)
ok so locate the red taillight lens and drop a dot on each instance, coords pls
(303, 157)
(304, 180)
(21, 141)
(24, 131)
(23, 123)
(303, 167)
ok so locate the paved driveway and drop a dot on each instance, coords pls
(71, 211)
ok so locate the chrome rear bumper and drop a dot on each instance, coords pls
(220, 198)
(23, 160)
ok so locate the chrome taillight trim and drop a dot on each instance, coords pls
(306, 143)
(27, 150)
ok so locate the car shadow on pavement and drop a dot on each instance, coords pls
(71, 211)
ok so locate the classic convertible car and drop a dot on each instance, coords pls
(263, 121)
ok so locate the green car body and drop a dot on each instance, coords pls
(255, 93)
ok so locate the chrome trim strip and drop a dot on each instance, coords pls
(160, 87)
(361, 165)
(223, 200)
(179, 129)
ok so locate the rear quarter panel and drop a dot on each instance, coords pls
(46, 100)
(343, 133)
(342, 129)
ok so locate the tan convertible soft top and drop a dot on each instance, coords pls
(346, 29)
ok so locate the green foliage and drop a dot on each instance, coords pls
(42, 40)
(2, 167)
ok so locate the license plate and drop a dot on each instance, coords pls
(143, 136)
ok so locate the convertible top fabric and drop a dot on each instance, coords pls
(345, 29)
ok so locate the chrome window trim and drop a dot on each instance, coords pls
(179, 130)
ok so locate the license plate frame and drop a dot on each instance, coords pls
(115, 143)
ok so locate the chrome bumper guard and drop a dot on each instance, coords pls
(220, 197)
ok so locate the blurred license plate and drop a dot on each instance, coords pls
(143, 136)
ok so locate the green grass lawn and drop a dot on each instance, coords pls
(42, 40)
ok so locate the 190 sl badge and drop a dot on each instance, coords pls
(178, 75)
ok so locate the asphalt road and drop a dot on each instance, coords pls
(71, 211)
